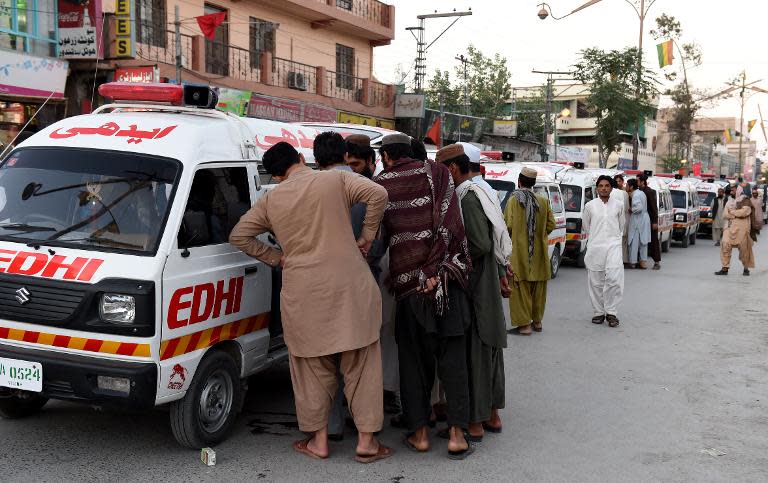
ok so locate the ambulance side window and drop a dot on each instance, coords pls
(217, 200)
(588, 196)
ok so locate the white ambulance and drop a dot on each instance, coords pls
(685, 208)
(503, 178)
(118, 286)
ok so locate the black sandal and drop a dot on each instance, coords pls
(461, 455)
(445, 434)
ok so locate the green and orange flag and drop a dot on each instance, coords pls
(664, 50)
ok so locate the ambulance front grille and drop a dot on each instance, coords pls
(46, 302)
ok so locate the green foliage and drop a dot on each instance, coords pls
(620, 93)
(487, 83)
(530, 116)
(671, 163)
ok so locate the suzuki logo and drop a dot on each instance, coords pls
(22, 295)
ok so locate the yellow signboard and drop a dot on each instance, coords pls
(125, 37)
(349, 118)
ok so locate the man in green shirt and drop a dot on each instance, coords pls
(530, 221)
(486, 337)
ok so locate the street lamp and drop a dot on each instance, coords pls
(641, 12)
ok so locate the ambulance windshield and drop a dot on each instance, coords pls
(85, 198)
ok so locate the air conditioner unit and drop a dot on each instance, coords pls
(297, 80)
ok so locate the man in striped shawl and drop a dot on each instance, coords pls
(429, 266)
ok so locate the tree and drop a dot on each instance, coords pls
(671, 163)
(619, 94)
(685, 107)
(486, 83)
(530, 116)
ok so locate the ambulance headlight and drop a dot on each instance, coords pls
(680, 217)
(117, 308)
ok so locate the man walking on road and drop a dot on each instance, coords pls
(639, 232)
(739, 232)
(341, 325)
(604, 225)
(621, 189)
(486, 337)
(429, 271)
(718, 216)
(530, 220)
(654, 247)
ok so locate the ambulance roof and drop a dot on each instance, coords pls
(708, 187)
(189, 137)
(373, 132)
(681, 185)
(511, 171)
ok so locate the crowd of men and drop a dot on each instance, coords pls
(737, 215)
(417, 321)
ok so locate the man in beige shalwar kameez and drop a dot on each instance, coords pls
(330, 303)
(738, 233)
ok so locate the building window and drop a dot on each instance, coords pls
(582, 110)
(217, 50)
(345, 4)
(152, 22)
(29, 26)
(345, 60)
(262, 39)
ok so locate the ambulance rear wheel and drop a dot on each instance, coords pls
(665, 247)
(21, 405)
(207, 412)
(554, 262)
(684, 241)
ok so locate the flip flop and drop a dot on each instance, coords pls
(384, 452)
(444, 434)
(492, 429)
(460, 455)
(410, 445)
(300, 446)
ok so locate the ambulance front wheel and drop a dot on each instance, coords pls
(21, 405)
(207, 412)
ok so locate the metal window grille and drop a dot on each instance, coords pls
(262, 39)
(151, 24)
(345, 61)
(217, 50)
(345, 4)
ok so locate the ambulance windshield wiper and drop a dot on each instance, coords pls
(94, 239)
(25, 227)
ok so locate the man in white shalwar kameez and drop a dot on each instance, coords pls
(603, 223)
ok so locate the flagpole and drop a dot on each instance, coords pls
(177, 23)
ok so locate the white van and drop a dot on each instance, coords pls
(664, 207)
(685, 203)
(503, 178)
(707, 194)
(119, 287)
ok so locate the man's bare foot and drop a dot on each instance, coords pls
(419, 440)
(319, 443)
(525, 330)
(456, 441)
(367, 444)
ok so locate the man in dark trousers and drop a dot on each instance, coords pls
(654, 248)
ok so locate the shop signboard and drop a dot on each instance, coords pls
(26, 75)
(506, 128)
(409, 105)
(350, 118)
(125, 31)
(315, 113)
(569, 154)
(273, 108)
(233, 100)
(80, 25)
(137, 74)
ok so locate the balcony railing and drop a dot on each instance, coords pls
(294, 75)
(229, 61)
(160, 46)
(371, 10)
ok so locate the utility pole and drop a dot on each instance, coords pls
(422, 47)
(548, 109)
(177, 24)
(464, 62)
(741, 119)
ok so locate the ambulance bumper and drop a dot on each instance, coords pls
(76, 378)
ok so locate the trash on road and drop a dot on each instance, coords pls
(713, 452)
(208, 456)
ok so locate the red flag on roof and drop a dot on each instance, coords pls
(696, 169)
(434, 133)
(209, 23)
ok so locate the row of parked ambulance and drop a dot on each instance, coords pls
(117, 284)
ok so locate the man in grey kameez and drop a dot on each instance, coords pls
(639, 232)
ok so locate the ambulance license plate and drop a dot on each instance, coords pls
(21, 375)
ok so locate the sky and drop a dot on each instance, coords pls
(731, 35)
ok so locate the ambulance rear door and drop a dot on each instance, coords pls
(212, 292)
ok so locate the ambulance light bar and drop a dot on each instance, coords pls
(176, 95)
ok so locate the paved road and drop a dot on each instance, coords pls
(684, 372)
